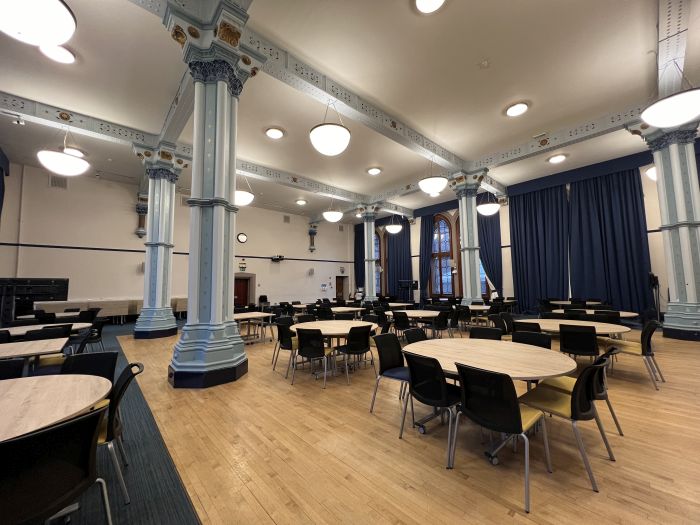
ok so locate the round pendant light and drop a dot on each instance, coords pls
(651, 173)
(330, 139)
(394, 228)
(674, 110)
(431, 185)
(489, 205)
(62, 163)
(332, 216)
(243, 198)
(37, 22)
(429, 6)
(58, 54)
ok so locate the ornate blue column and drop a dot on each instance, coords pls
(679, 202)
(156, 318)
(210, 350)
(466, 186)
(368, 217)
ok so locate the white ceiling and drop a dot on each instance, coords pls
(571, 60)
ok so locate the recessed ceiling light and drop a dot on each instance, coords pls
(301, 202)
(75, 152)
(37, 22)
(517, 109)
(58, 54)
(651, 173)
(429, 6)
(557, 159)
(374, 171)
(274, 133)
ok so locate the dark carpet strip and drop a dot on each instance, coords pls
(157, 493)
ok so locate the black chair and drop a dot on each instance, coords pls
(76, 344)
(552, 315)
(71, 310)
(45, 318)
(401, 322)
(642, 349)
(508, 320)
(112, 429)
(305, 318)
(414, 335)
(44, 472)
(453, 323)
(89, 315)
(371, 318)
(311, 347)
(483, 332)
(51, 364)
(497, 321)
(489, 399)
(533, 338)
(5, 336)
(48, 332)
(324, 314)
(381, 313)
(356, 345)
(578, 340)
(439, 324)
(11, 368)
(519, 326)
(96, 333)
(465, 316)
(285, 338)
(427, 384)
(610, 317)
(578, 405)
(100, 364)
(344, 316)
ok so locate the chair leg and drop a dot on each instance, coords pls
(374, 395)
(289, 365)
(403, 414)
(122, 453)
(451, 463)
(347, 374)
(450, 422)
(658, 369)
(652, 367)
(294, 368)
(526, 441)
(545, 439)
(584, 456)
(274, 353)
(105, 500)
(651, 373)
(117, 467)
(325, 370)
(614, 416)
(602, 433)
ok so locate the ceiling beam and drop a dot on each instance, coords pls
(180, 111)
(670, 52)
(201, 9)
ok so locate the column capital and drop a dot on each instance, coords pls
(141, 208)
(210, 71)
(161, 172)
(467, 184)
(164, 158)
(660, 139)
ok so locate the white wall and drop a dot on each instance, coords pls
(100, 214)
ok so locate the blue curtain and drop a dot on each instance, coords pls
(4, 172)
(609, 245)
(539, 235)
(398, 261)
(359, 255)
(490, 245)
(425, 254)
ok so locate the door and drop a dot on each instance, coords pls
(340, 287)
(240, 292)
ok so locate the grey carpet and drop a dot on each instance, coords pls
(157, 493)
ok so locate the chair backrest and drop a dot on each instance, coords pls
(533, 338)
(11, 368)
(371, 318)
(47, 470)
(49, 332)
(519, 326)
(389, 351)
(489, 399)
(325, 313)
(358, 338)
(647, 334)
(77, 343)
(464, 313)
(401, 321)
(88, 316)
(583, 394)
(5, 336)
(305, 318)
(508, 320)
(284, 334)
(606, 317)
(125, 378)
(578, 340)
(381, 313)
(100, 364)
(345, 316)
(453, 318)
(386, 326)
(296, 302)
(427, 381)
(482, 332)
(440, 322)
(96, 328)
(45, 318)
(498, 322)
(414, 335)
(311, 342)
(552, 315)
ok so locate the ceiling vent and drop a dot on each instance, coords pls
(286, 219)
(58, 182)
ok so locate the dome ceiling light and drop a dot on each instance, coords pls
(243, 197)
(68, 162)
(58, 54)
(332, 215)
(393, 228)
(328, 138)
(517, 109)
(676, 109)
(433, 185)
(429, 6)
(37, 22)
(490, 207)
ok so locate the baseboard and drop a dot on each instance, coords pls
(208, 378)
(685, 335)
(155, 334)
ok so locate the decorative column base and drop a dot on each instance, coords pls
(155, 322)
(208, 355)
(682, 321)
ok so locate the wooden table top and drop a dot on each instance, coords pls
(32, 348)
(418, 314)
(520, 361)
(552, 325)
(346, 309)
(623, 315)
(59, 315)
(248, 316)
(31, 403)
(16, 331)
(569, 302)
(479, 307)
(332, 328)
(399, 305)
(300, 306)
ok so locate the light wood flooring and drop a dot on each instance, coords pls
(263, 451)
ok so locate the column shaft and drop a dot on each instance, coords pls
(469, 244)
(370, 258)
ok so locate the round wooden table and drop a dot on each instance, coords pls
(346, 309)
(332, 328)
(399, 305)
(519, 361)
(552, 325)
(59, 315)
(479, 308)
(31, 403)
(32, 348)
(418, 314)
(565, 303)
(623, 315)
(17, 331)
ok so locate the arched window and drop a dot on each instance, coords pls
(441, 262)
(378, 257)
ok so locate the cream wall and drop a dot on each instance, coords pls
(100, 214)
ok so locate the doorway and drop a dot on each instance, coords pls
(341, 287)
(240, 291)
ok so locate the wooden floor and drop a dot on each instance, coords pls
(262, 451)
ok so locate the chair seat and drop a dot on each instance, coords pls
(627, 347)
(454, 394)
(529, 416)
(102, 435)
(399, 373)
(345, 349)
(549, 400)
(563, 383)
(51, 360)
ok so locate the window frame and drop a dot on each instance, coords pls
(440, 256)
